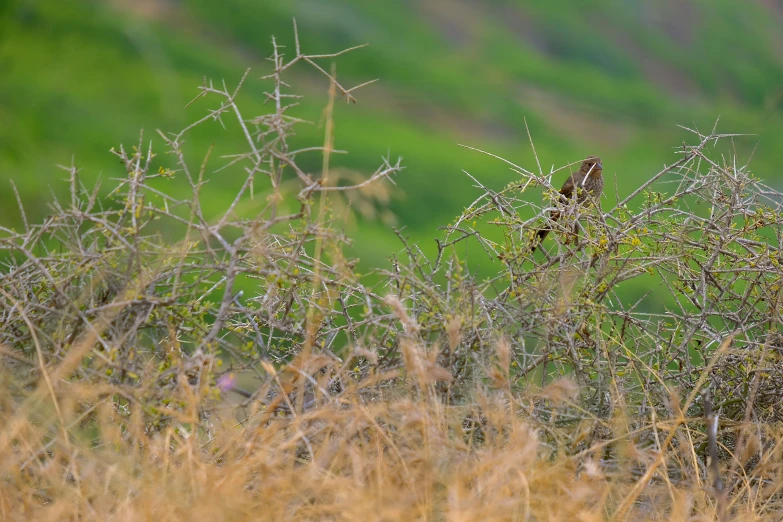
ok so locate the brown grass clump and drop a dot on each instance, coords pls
(162, 361)
(367, 453)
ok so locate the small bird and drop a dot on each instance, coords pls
(587, 185)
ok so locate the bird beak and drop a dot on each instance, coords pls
(598, 166)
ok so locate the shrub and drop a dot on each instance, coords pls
(421, 390)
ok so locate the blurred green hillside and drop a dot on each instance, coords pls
(612, 78)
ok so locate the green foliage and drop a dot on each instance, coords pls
(589, 77)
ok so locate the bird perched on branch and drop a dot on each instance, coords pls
(586, 185)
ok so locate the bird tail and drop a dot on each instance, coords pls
(540, 236)
(542, 233)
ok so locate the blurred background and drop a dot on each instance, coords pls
(613, 78)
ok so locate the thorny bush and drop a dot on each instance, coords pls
(105, 317)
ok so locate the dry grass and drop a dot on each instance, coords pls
(394, 454)
(366, 453)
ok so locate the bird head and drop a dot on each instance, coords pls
(592, 165)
